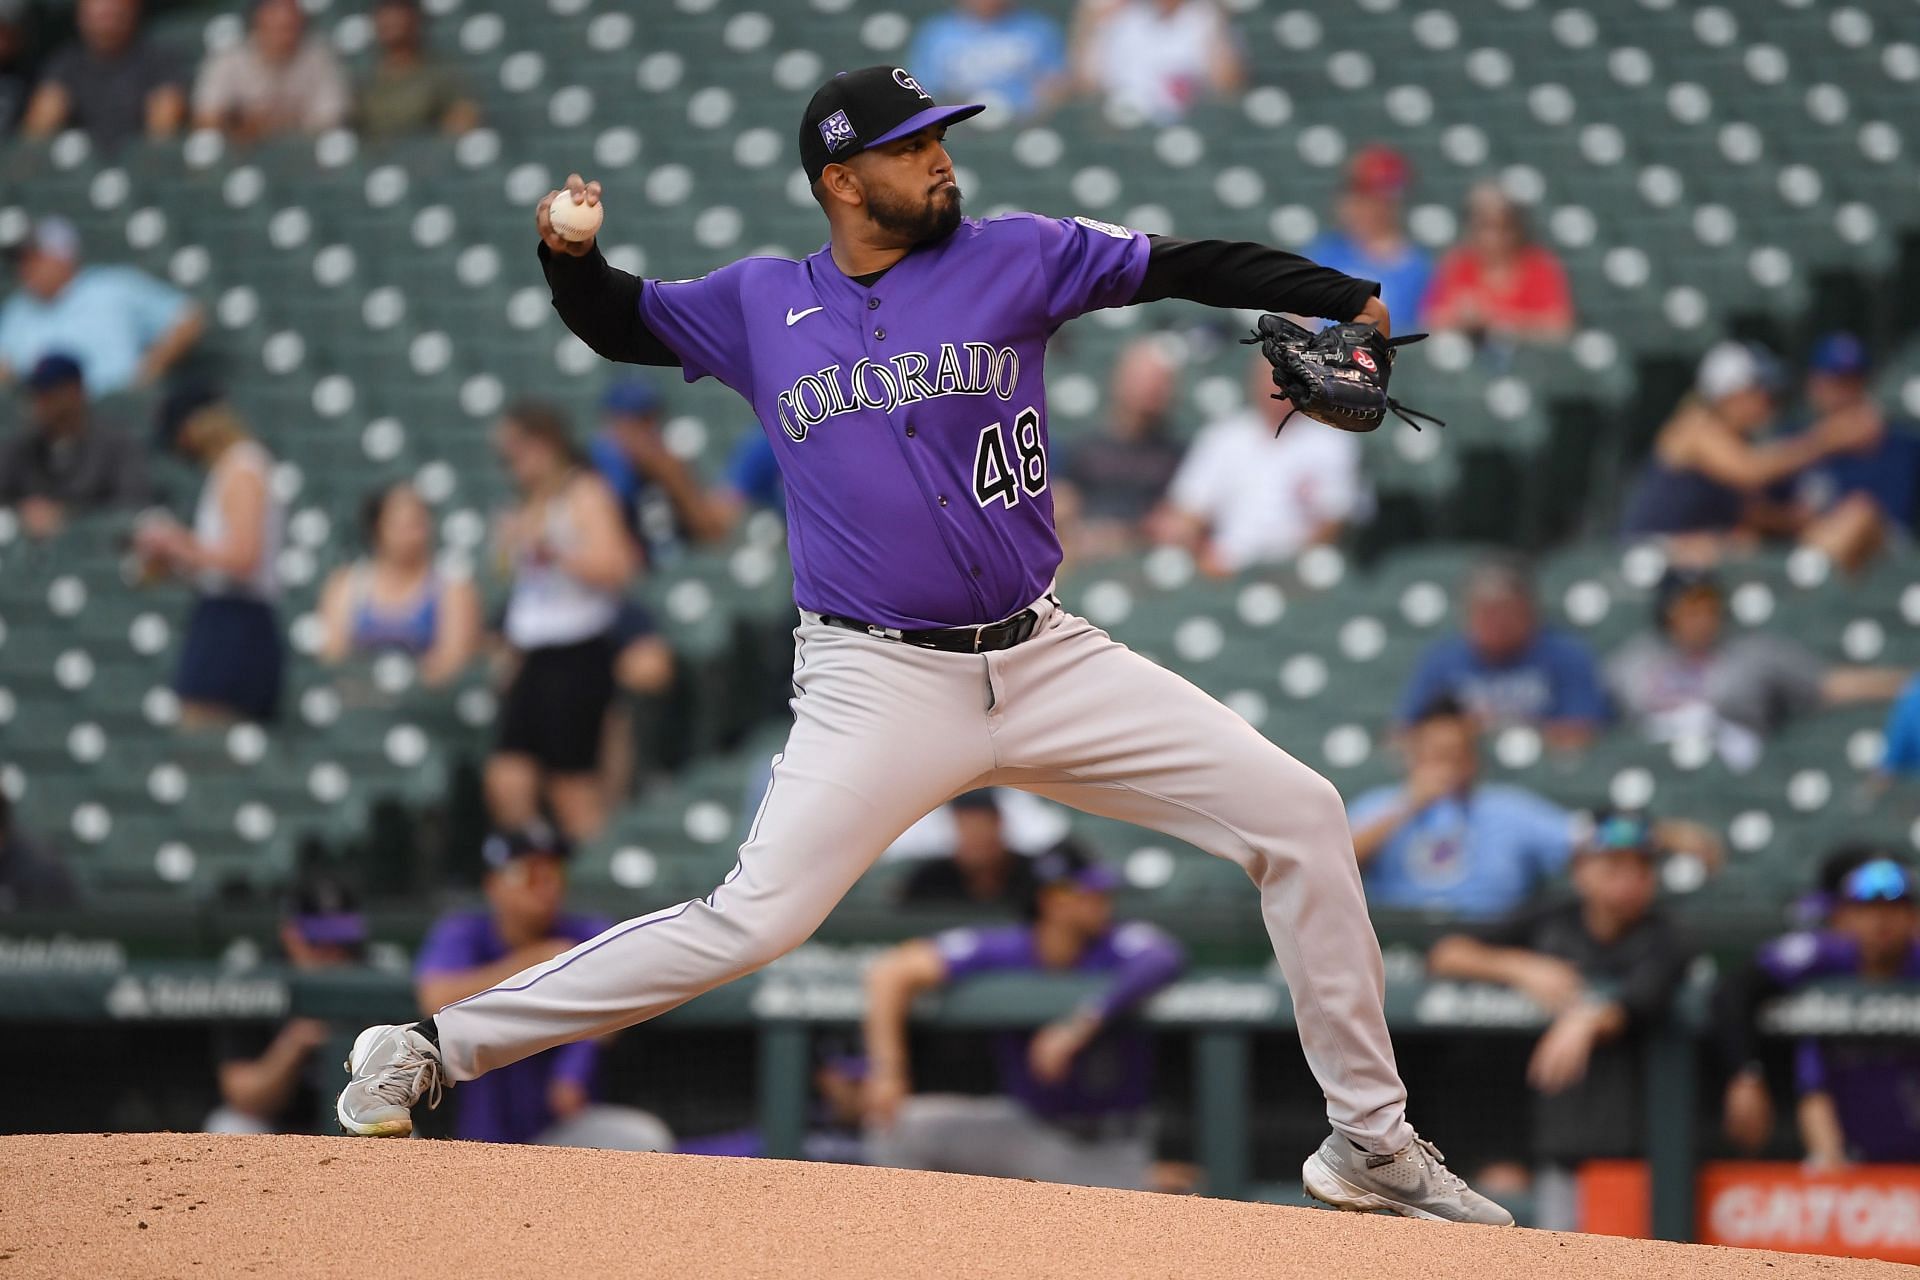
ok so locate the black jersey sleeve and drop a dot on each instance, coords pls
(1240, 273)
(601, 304)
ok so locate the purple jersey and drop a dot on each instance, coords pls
(508, 1104)
(1874, 1080)
(1114, 1073)
(910, 418)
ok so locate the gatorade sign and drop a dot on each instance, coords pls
(1869, 1211)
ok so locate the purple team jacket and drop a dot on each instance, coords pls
(1874, 1080)
(1114, 1074)
(909, 419)
(508, 1104)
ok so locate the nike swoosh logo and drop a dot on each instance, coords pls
(795, 317)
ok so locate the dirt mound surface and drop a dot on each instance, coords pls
(136, 1205)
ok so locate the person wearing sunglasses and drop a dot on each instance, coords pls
(1857, 1097)
(1604, 966)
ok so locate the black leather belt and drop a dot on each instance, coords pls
(990, 638)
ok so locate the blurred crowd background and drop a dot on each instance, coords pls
(338, 580)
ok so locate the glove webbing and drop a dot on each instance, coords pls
(1405, 413)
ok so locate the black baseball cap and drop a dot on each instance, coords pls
(55, 369)
(1071, 863)
(535, 839)
(178, 409)
(860, 109)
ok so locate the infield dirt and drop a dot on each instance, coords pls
(185, 1205)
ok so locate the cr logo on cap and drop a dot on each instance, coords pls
(905, 81)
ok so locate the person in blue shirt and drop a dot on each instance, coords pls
(1903, 733)
(125, 328)
(1444, 841)
(1852, 500)
(753, 476)
(661, 499)
(1506, 669)
(1371, 242)
(988, 51)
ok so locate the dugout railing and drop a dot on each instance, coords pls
(818, 990)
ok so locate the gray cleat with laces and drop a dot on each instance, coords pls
(1413, 1182)
(392, 1067)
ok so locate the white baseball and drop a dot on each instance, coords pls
(572, 220)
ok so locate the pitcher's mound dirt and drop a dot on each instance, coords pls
(136, 1205)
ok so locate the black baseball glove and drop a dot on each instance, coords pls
(1337, 376)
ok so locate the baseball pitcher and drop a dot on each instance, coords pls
(899, 373)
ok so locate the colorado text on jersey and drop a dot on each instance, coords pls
(903, 379)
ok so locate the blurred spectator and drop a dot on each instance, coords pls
(233, 658)
(278, 80)
(409, 90)
(395, 599)
(16, 75)
(64, 463)
(643, 667)
(1902, 754)
(1857, 1099)
(571, 561)
(1498, 283)
(1155, 58)
(1506, 669)
(1445, 841)
(661, 500)
(833, 1129)
(1244, 495)
(1604, 966)
(549, 1097)
(1014, 60)
(1688, 678)
(1706, 474)
(31, 879)
(753, 479)
(1113, 480)
(112, 82)
(1076, 1092)
(1848, 503)
(1371, 242)
(276, 1080)
(982, 871)
(124, 327)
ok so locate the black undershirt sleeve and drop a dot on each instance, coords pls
(1242, 274)
(1736, 1012)
(601, 304)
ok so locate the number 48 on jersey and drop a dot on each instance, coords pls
(996, 477)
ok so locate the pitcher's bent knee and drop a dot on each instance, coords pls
(1306, 818)
(755, 939)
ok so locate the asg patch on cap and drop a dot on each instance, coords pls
(867, 108)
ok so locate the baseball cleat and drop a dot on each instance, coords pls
(392, 1067)
(1413, 1182)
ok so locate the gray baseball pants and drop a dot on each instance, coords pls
(999, 1138)
(883, 733)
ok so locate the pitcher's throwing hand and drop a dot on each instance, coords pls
(584, 194)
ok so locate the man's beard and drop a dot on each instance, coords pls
(936, 216)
